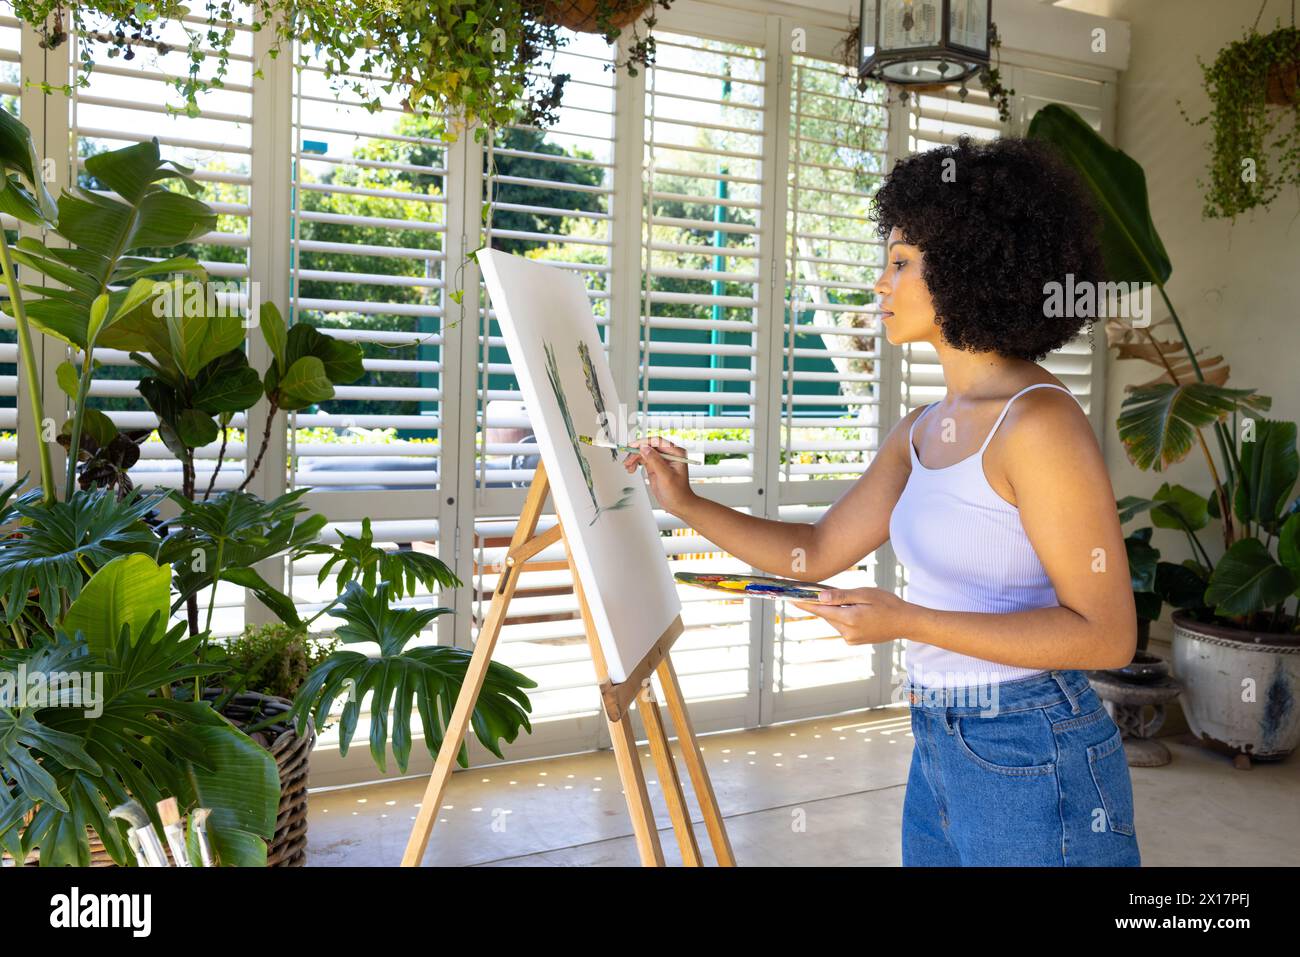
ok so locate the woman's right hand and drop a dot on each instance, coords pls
(669, 481)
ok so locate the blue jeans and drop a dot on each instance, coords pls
(1033, 774)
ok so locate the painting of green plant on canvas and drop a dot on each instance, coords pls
(579, 449)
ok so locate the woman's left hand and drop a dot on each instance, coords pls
(862, 616)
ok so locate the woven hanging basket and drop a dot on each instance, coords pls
(580, 15)
(1284, 83)
(288, 848)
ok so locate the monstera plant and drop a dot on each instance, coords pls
(1237, 610)
(90, 580)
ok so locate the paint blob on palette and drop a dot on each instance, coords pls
(755, 586)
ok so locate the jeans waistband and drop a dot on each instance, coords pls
(1022, 694)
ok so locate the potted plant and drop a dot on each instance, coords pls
(87, 580)
(1255, 119)
(264, 668)
(1237, 648)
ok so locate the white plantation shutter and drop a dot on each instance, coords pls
(133, 101)
(938, 117)
(699, 354)
(704, 128)
(832, 349)
(367, 257)
(832, 357)
(368, 253)
(551, 194)
(10, 88)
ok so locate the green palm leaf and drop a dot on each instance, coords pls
(1130, 245)
(60, 542)
(428, 678)
(1269, 466)
(360, 560)
(140, 745)
(1158, 423)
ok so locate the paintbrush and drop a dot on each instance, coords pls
(588, 440)
(173, 830)
(199, 823)
(146, 844)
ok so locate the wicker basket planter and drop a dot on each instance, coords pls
(580, 15)
(292, 754)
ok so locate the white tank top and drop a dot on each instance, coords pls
(964, 549)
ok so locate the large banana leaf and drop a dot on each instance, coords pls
(429, 678)
(1269, 467)
(1247, 580)
(60, 542)
(1158, 423)
(1130, 244)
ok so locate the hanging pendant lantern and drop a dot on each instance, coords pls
(923, 42)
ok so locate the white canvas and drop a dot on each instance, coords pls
(559, 360)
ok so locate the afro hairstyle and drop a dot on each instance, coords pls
(996, 222)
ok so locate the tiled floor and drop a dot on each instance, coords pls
(820, 792)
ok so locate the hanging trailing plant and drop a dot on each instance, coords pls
(457, 62)
(1255, 149)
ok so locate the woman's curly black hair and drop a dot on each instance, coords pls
(995, 225)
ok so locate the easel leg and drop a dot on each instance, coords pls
(624, 741)
(442, 767)
(475, 674)
(638, 799)
(700, 782)
(668, 779)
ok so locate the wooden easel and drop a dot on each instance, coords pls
(617, 699)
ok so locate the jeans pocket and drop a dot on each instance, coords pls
(1109, 767)
(1013, 743)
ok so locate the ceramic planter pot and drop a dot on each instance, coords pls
(1241, 689)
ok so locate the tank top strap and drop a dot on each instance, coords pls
(912, 428)
(1037, 385)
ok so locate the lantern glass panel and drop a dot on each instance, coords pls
(968, 24)
(905, 24)
(868, 33)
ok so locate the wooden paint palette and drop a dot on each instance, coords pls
(754, 586)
